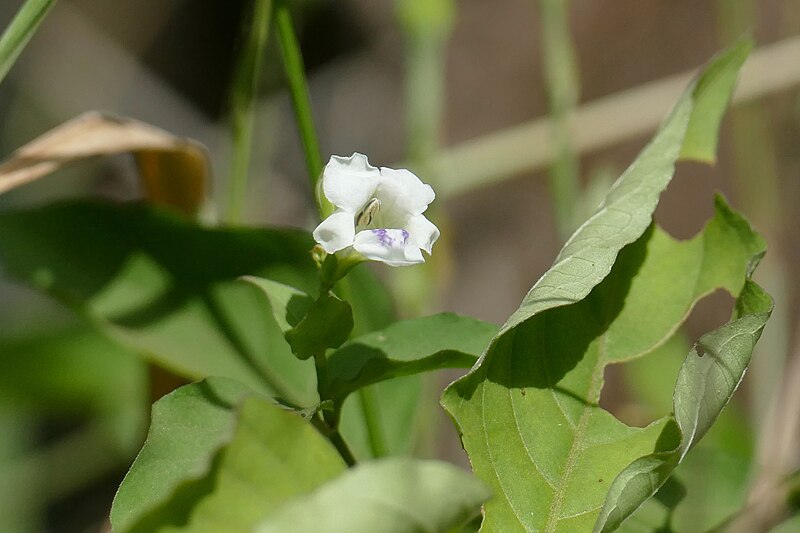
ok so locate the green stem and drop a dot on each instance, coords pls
(295, 76)
(341, 446)
(328, 426)
(561, 77)
(244, 90)
(321, 365)
(20, 31)
(369, 409)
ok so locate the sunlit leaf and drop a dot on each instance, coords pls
(187, 429)
(272, 456)
(408, 347)
(713, 93)
(527, 412)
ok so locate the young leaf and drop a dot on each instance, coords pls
(398, 495)
(408, 347)
(527, 412)
(326, 325)
(167, 287)
(309, 326)
(272, 457)
(188, 426)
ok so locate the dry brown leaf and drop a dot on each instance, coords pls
(174, 171)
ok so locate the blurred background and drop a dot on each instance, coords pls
(520, 113)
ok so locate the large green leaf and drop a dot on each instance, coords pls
(527, 412)
(187, 428)
(408, 347)
(398, 495)
(167, 287)
(272, 456)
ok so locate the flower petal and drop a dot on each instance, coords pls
(336, 232)
(405, 191)
(390, 246)
(422, 231)
(349, 182)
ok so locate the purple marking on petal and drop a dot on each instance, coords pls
(405, 236)
(383, 237)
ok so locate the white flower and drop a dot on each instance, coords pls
(378, 212)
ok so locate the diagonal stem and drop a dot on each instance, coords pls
(295, 76)
(20, 31)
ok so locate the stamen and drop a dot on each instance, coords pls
(364, 218)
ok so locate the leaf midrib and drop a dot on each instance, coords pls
(575, 449)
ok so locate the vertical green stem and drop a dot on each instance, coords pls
(427, 27)
(369, 409)
(424, 96)
(20, 31)
(321, 364)
(244, 91)
(301, 103)
(561, 77)
(295, 76)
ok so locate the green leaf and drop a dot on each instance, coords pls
(167, 287)
(398, 495)
(527, 412)
(20, 31)
(708, 378)
(713, 93)
(587, 257)
(272, 457)
(309, 326)
(70, 372)
(408, 347)
(74, 373)
(188, 427)
(327, 325)
(289, 305)
(715, 476)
